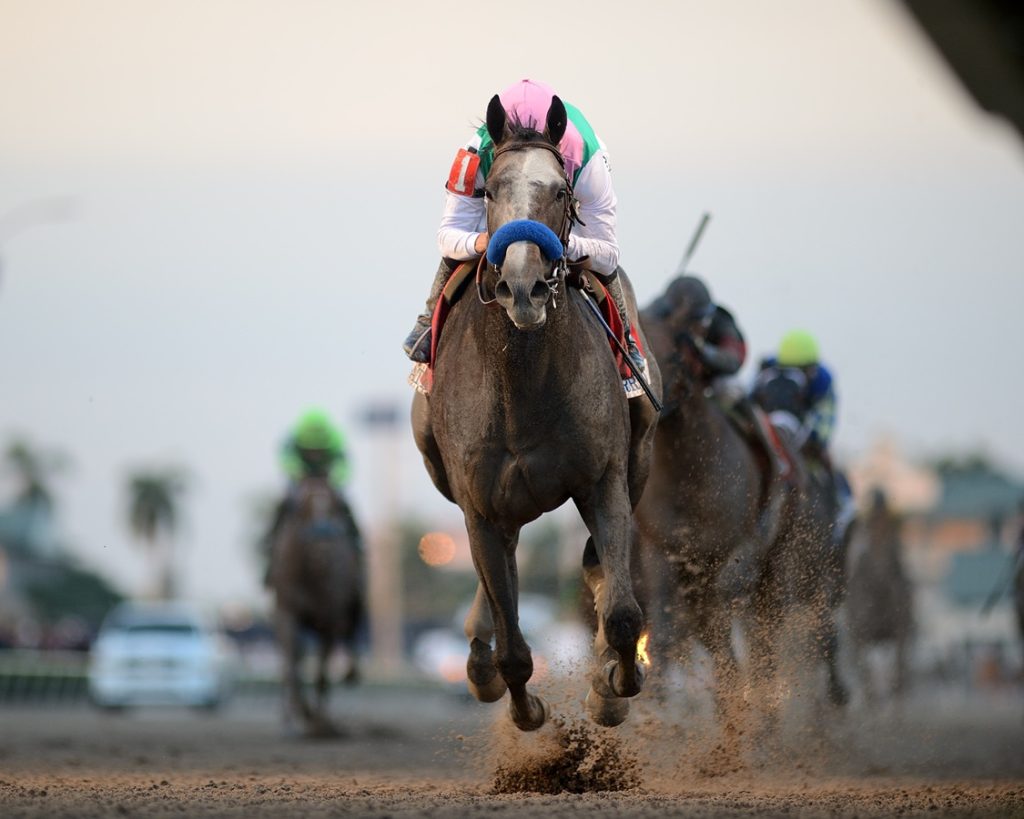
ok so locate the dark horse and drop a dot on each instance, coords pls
(526, 412)
(806, 570)
(317, 579)
(711, 498)
(879, 604)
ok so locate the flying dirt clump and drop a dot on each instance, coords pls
(579, 758)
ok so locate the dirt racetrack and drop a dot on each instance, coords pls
(413, 752)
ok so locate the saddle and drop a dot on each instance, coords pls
(763, 437)
(422, 376)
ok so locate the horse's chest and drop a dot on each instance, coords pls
(526, 481)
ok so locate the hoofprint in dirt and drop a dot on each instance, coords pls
(419, 752)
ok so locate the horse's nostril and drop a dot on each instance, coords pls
(502, 291)
(540, 292)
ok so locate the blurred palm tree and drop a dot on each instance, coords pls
(153, 516)
(30, 517)
(33, 467)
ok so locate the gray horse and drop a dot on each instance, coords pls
(711, 499)
(806, 570)
(317, 578)
(526, 412)
(879, 604)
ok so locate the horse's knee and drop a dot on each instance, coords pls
(622, 626)
(515, 664)
(480, 666)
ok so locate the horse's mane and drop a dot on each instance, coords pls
(519, 131)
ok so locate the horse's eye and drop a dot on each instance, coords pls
(488, 195)
(560, 196)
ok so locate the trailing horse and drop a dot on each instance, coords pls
(317, 577)
(713, 497)
(527, 411)
(879, 604)
(806, 570)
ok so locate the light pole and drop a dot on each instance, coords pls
(381, 421)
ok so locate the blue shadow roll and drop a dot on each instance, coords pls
(523, 230)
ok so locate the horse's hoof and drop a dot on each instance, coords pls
(606, 711)
(605, 684)
(537, 713)
(490, 691)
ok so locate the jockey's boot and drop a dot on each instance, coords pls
(417, 343)
(614, 287)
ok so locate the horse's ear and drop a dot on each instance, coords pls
(557, 121)
(496, 119)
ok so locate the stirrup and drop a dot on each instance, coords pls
(417, 343)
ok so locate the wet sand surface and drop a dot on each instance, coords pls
(413, 752)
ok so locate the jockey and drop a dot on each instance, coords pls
(462, 234)
(315, 448)
(716, 337)
(798, 353)
(798, 358)
(721, 349)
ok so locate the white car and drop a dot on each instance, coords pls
(160, 654)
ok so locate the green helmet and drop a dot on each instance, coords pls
(798, 349)
(315, 431)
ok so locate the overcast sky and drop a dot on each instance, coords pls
(256, 188)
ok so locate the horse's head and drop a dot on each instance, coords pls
(529, 211)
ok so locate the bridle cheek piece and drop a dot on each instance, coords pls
(570, 216)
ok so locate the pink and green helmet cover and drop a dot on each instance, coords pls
(527, 102)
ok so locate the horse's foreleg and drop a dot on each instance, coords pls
(714, 625)
(322, 722)
(862, 668)
(482, 677)
(828, 640)
(763, 627)
(604, 706)
(900, 660)
(494, 557)
(287, 628)
(620, 621)
(661, 606)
